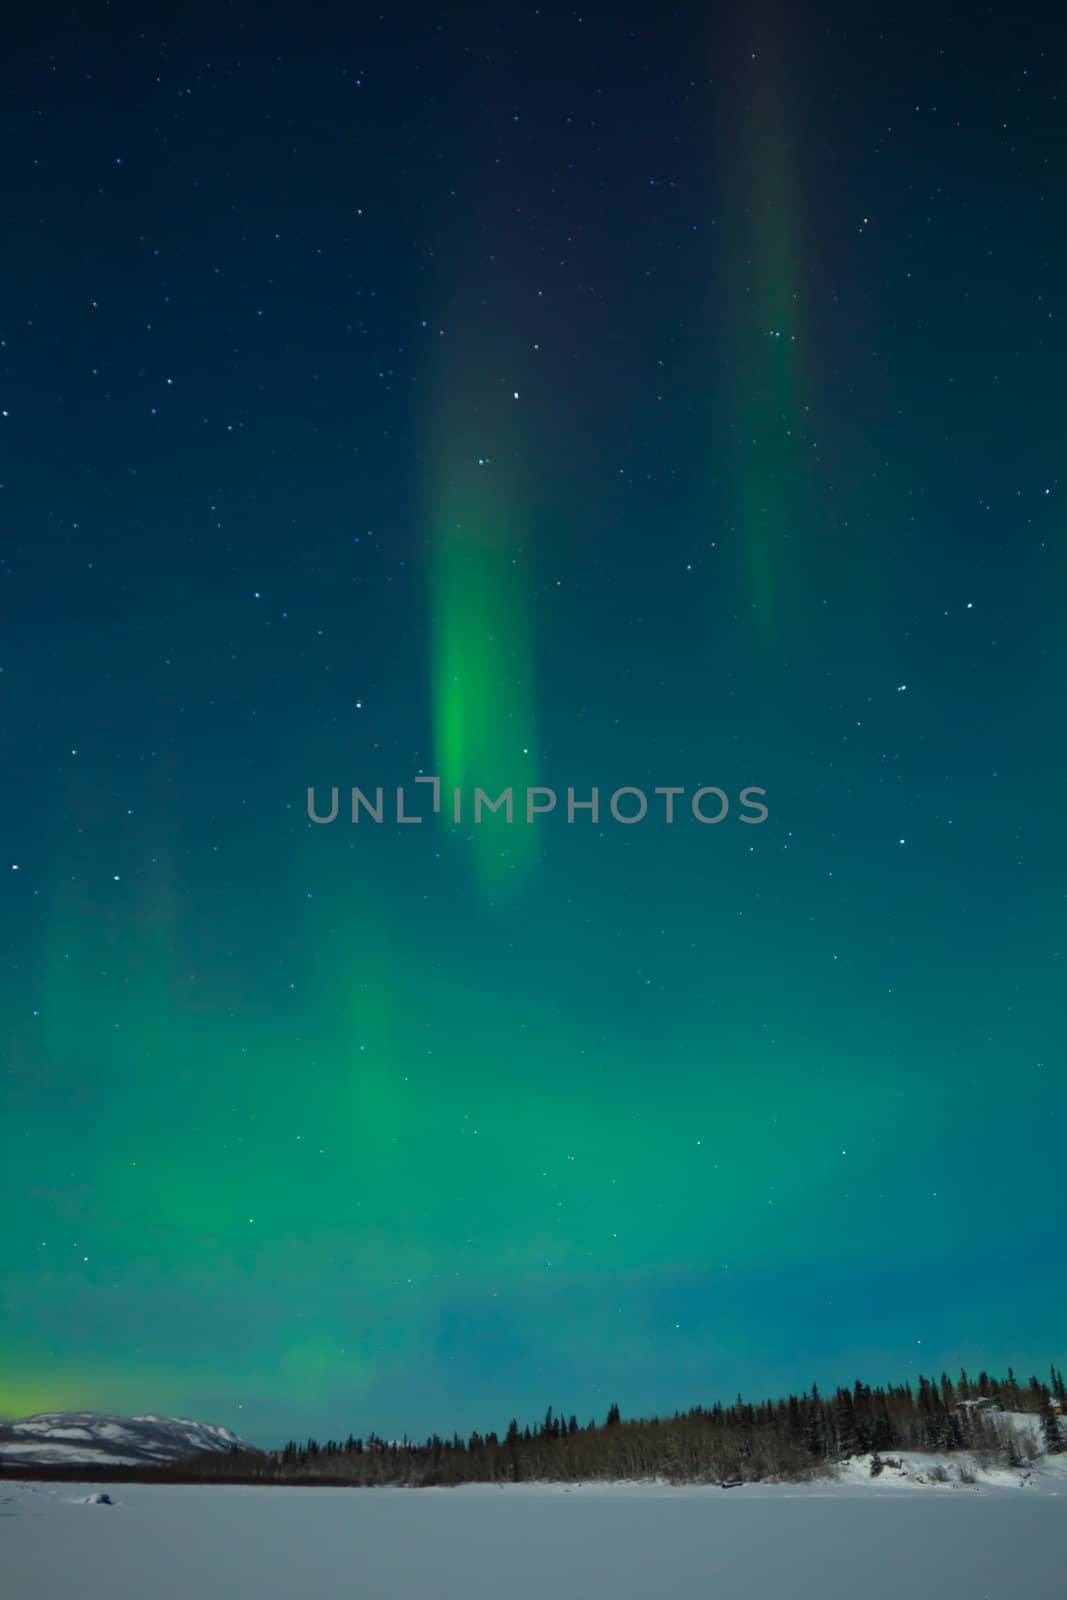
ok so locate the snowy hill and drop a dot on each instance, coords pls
(93, 1438)
(1022, 1462)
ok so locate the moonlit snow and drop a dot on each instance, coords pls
(827, 1541)
(101, 1439)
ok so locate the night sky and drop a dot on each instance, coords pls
(524, 396)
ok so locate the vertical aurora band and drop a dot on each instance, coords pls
(767, 411)
(481, 655)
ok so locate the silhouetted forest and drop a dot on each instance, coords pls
(800, 1436)
(790, 1438)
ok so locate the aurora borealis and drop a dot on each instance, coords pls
(536, 397)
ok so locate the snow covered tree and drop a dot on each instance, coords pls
(1053, 1433)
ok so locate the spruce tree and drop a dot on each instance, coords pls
(1050, 1427)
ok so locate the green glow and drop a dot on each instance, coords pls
(318, 1128)
(481, 663)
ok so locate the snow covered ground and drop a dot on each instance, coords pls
(855, 1537)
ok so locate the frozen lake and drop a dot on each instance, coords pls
(523, 1542)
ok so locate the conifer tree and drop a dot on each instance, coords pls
(1050, 1427)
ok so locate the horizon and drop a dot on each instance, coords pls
(998, 1375)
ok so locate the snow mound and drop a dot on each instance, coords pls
(90, 1438)
(1024, 1464)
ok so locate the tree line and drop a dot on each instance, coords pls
(787, 1438)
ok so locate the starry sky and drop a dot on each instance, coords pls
(528, 396)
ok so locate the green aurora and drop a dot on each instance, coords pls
(366, 1126)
